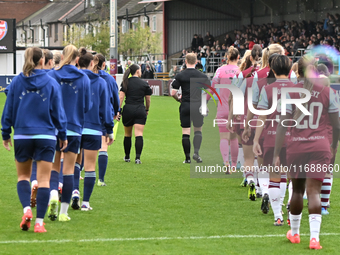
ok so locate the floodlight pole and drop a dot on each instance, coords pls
(113, 38)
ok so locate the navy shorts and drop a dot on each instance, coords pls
(73, 144)
(91, 142)
(37, 149)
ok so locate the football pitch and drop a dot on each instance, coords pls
(156, 208)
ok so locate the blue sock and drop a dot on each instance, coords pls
(54, 181)
(61, 171)
(43, 196)
(76, 176)
(34, 171)
(89, 181)
(67, 188)
(24, 193)
(102, 164)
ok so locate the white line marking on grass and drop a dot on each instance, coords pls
(152, 238)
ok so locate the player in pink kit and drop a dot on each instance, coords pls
(259, 80)
(243, 78)
(281, 66)
(224, 75)
(308, 150)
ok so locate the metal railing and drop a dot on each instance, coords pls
(210, 64)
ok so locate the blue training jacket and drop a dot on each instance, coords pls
(76, 93)
(113, 90)
(34, 106)
(101, 112)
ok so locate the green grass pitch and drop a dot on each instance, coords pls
(156, 208)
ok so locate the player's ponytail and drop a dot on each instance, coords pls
(246, 63)
(233, 53)
(32, 58)
(256, 54)
(306, 66)
(270, 50)
(70, 53)
(48, 55)
(85, 58)
(101, 61)
(131, 70)
(96, 66)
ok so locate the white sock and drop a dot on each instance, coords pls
(264, 181)
(34, 182)
(39, 221)
(240, 157)
(61, 185)
(274, 196)
(255, 177)
(54, 193)
(290, 191)
(283, 188)
(314, 225)
(64, 208)
(305, 194)
(250, 178)
(26, 208)
(87, 204)
(295, 221)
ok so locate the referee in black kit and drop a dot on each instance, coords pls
(134, 113)
(190, 105)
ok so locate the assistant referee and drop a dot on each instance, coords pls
(190, 105)
(134, 113)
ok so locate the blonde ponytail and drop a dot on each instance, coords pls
(70, 53)
(270, 50)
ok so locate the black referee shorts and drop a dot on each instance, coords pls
(190, 114)
(133, 114)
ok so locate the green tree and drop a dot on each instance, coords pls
(139, 41)
(97, 38)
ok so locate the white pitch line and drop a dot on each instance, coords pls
(151, 238)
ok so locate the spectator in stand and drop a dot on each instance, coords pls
(227, 41)
(209, 40)
(148, 73)
(331, 25)
(184, 53)
(194, 43)
(325, 24)
(223, 50)
(173, 72)
(200, 41)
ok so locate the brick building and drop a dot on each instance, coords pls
(20, 9)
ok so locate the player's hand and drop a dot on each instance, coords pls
(63, 144)
(333, 152)
(179, 96)
(230, 127)
(246, 134)
(7, 143)
(118, 116)
(276, 161)
(109, 139)
(257, 149)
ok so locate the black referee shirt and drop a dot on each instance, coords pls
(191, 91)
(136, 90)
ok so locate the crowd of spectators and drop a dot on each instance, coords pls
(296, 38)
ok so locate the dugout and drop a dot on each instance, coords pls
(184, 18)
